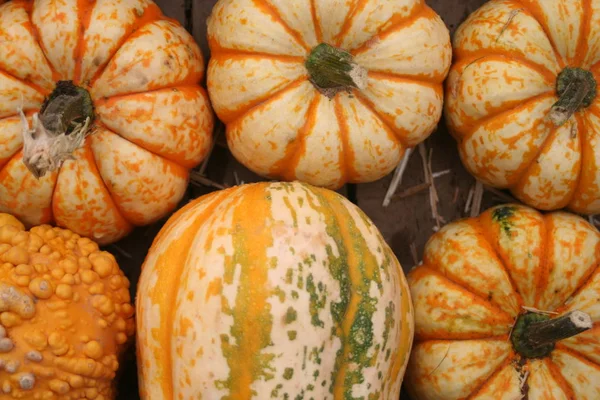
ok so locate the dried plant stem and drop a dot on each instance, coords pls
(197, 179)
(397, 179)
(413, 190)
(477, 200)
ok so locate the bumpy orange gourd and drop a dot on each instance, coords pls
(134, 73)
(522, 100)
(328, 91)
(65, 314)
(272, 290)
(483, 280)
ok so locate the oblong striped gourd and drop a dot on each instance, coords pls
(272, 290)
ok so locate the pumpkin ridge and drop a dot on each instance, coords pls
(110, 194)
(584, 33)
(559, 378)
(267, 8)
(347, 155)
(577, 354)
(316, 22)
(522, 175)
(163, 158)
(431, 268)
(585, 281)
(417, 79)
(117, 198)
(516, 107)
(486, 235)
(536, 14)
(85, 8)
(32, 85)
(544, 269)
(468, 57)
(358, 5)
(417, 12)
(171, 158)
(393, 133)
(28, 6)
(14, 202)
(584, 129)
(509, 360)
(152, 13)
(286, 167)
(231, 118)
(522, 181)
(89, 155)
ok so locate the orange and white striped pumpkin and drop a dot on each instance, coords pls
(329, 91)
(480, 276)
(272, 290)
(153, 122)
(521, 100)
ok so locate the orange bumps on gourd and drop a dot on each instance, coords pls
(65, 314)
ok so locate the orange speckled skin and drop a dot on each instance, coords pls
(153, 120)
(280, 126)
(65, 315)
(476, 276)
(500, 90)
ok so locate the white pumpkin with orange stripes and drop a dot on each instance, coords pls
(329, 91)
(113, 143)
(522, 100)
(507, 306)
(272, 290)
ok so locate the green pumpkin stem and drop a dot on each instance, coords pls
(577, 90)
(332, 70)
(535, 335)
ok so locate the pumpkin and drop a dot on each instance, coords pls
(326, 92)
(65, 314)
(522, 100)
(272, 290)
(507, 306)
(101, 115)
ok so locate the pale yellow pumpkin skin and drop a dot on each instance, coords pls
(271, 288)
(476, 277)
(280, 126)
(153, 120)
(500, 91)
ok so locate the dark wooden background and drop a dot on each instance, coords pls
(406, 224)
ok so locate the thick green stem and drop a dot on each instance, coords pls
(534, 335)
(60, 128)
(332, 70)
(577, 90)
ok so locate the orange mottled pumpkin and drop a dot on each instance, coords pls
(328, 91)
(65, 315)
(522, 100)
(507, 306)
(101, 114)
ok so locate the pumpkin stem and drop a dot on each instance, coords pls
(577, 90)
(333, 70)
(60, 128)
(534, 335)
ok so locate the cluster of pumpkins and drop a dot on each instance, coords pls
(285, 289)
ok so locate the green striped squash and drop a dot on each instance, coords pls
(272, 291)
